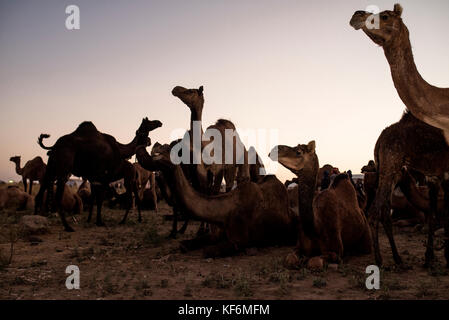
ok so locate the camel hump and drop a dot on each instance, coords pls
(86, 127)
(341, 177)
(225, 123)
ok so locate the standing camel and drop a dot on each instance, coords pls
(423, 148)
(93, 155)
(425, 101)
(143, 178)
(33, 170)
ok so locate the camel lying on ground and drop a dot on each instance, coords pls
(95, 156)
(85, 193)
(14, 198)
(71, 202)
(253, 214)
(331, 222)
(33, 170)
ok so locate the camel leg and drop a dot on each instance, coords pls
(216, 185)
(59, 194)
(229, 176)
(388, 227)
(445, 186)
(373, 217)
(129, 202)
(25, 184)
(99, 195)
(381, 210)
(31, 186)
(434, 188)
(91, 202)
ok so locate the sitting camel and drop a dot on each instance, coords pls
(33, 170)
(14, 198)
(85, 193)
(253, 214)
(421, 147)
(71, 202)
(331, 222)
(93, 155)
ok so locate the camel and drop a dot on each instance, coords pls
(331, 222)
(143, 177)
(95, 156)
(71, 202)
(239, 168)
(14, 198)
(426, 102)
(420, 147)
(33, 170)
(85, 193)
(253, 214)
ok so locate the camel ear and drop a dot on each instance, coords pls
(311, 146)
(201, 89)
(397, 9)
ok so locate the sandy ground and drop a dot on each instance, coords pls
(138, 261)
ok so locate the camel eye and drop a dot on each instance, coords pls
(384, 17)
(298, 153)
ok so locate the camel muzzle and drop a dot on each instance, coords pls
(358, 20)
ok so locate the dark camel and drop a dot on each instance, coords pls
(331, 222)
(253, 214)
(33, 170)
(421, 147)
(426, 102)
(93, 155)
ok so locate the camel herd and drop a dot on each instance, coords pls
(323, 217)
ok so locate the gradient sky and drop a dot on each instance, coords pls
(293, 66)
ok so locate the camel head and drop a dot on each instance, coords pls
(193, 98)
(294, 158)
(145, 127)
(161, 154)
(15, 159)
(383, 27)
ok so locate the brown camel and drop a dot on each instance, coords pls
(71, 202)
(143, 178)
(95, 156)
(14, 198)
(331, 222)
(421, 147)
(253, 214)
(85, 193)
(426, 102)
(194, 99)
(33, 170)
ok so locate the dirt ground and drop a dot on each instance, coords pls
(138, 261)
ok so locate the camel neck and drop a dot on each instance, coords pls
(128, 150)
(213, 209)
(18, 169)
(307, 182)
(413, 90)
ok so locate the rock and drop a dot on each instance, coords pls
(292, 261)
(34, 224)
(315, 263)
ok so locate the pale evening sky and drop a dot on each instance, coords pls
(292, 66)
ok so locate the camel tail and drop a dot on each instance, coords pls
(41, 138)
